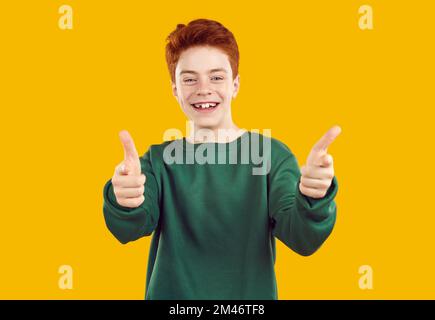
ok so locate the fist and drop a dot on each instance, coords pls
(318, 172)
(128, 181)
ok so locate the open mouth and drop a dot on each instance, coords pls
(205, 106)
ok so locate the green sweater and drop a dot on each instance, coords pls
(215, 224)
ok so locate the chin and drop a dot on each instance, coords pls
(206, 123)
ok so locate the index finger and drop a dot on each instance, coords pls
(327, 139)
(130, 151)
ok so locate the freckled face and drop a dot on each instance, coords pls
(204, 86)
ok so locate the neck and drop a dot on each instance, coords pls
(220, 134)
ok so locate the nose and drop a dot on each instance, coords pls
(204, 89)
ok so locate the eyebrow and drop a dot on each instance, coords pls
(210, 71)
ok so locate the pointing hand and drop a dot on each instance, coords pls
(318, 172)
(128, 181)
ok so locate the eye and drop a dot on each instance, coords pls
(217, 78)
(189, 80)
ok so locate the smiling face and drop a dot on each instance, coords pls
(204, 87)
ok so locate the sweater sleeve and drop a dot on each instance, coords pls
(302, 223)
(129, 224)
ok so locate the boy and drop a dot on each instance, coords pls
(215, 222)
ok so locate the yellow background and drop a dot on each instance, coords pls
(305, 66)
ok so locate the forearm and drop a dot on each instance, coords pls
(128, 224)
(308, 222)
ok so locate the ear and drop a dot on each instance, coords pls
(236, 84)
(174, 90)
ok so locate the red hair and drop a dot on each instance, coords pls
(201, 32)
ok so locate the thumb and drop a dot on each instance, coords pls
(131, 162)
(326, 160)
